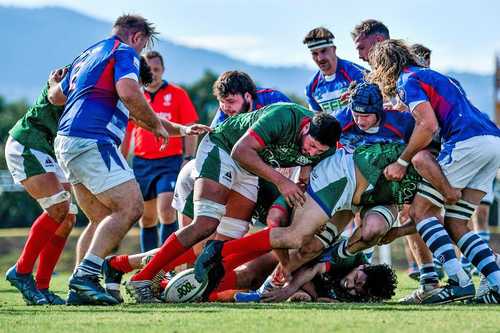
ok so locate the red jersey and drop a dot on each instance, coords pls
(172, 103)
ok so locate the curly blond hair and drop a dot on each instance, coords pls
(387, 59)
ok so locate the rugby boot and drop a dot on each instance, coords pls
(52, 297)
(452, 292)
(490, 297)
(88, 291)
(247, 297)
(112, 279)
(141, 292)
(208, 259)
(420, 295)
(26, 286)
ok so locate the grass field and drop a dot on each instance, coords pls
(276, 318)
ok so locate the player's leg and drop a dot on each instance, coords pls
(165, 188)
(38, 173)
(148, 224)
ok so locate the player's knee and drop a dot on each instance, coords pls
(134, 211)
(59, 211)
(56, 205)
(202, 228)
(420, 159)
(168, 215)
(68, 224)
(371, 234)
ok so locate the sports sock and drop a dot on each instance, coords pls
(170, 250)
(41, 232)
(90, 265)
(121, 263)
(428, 275)
(48, 260)
(188, 257)
(481, 256)
(256, 242)
(166, 230)
(149, 238)
(234, 260)
(228, 281)
(466, 264)
(440, 244)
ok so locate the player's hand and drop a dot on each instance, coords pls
(390, 236)
(57, 75)
(277, 295)
(161, 135)
(394, 171)
(197, 129)
(292, 193)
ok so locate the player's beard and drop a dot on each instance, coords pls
(246, 107)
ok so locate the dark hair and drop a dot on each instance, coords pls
(234, 83)
(423, 53)
(380, 283)
(129, 24)
(154, 54)
(370, 27)
(325, 128)
(316, 34)
(145, 74)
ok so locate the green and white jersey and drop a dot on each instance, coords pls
(276, 127)
(37, 128)
(371, 162)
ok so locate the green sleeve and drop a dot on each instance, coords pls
(273, 124)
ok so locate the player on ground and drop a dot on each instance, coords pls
(232, 157)
(334, 75)
(100, 90)
(31, 160)
(469, 159)
(156, 170)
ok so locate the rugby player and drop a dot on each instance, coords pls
(232, 157)
(334, 76)
(469, 159)
(31, 160)
(100, 90)
(156, 170)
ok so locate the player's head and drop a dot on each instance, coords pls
(323, 51)
(235, 92)
(366, 104)
(367, 283)
(135, 31)
(145, 75)
(368, 33)
(155, 62)
(387, 59)
(423, 54)
(321, 134)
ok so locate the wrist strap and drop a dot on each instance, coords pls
(402, 162)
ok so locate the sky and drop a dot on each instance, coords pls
(463, 35)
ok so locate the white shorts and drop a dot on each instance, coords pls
(97, 166)
(472, 163)
(332, 182)
(184, 188)
(214, 163)
(24, 162)
(489, 197)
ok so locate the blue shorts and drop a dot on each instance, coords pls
(156, 176)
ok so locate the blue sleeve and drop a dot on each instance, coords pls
(64, 84)
(358, 73)
(313, 105)
(411, 92)
(344, 117)
(127, 64)
(278, 96)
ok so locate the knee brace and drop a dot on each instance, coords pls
(462, 210)
(232, 227)
(385, 212)
(209, 208)
(327, 234)
(54, 199)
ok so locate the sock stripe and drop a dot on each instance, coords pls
(429, 231)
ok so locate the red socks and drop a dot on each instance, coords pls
(187, 257)
(234, 260)
(48, 260)
(120, 263)
(169, 251)
(41, 232)
(256, 242)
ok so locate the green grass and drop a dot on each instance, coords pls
(221, 318)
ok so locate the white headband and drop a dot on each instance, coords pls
(317, 44)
